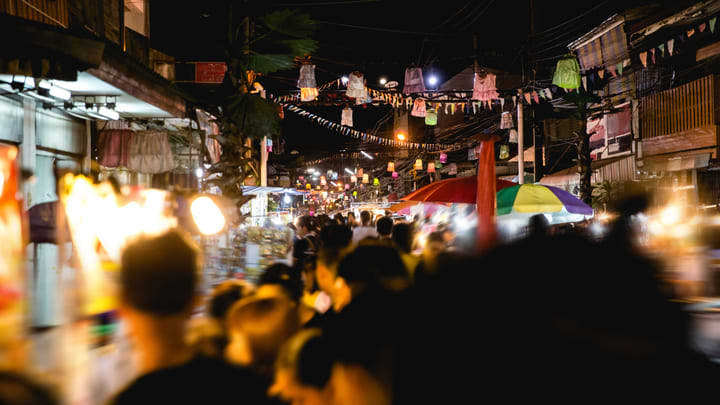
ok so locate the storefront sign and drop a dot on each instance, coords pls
(210, 72)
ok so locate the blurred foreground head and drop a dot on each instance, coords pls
(16, 389)
(259, 324)
(303, 369)
(369, 267)
(159, 275)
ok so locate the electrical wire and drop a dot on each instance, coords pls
(384, 29)
(552, 29)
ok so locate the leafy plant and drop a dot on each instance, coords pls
(256, 46)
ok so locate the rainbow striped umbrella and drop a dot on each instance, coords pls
(524, 200)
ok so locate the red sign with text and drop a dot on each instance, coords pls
(210, 72)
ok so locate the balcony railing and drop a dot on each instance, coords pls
(682, 108)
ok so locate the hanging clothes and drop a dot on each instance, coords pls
(414, 82)
(418, 108)
(150, 153)
(347, 117)
(356, 86)
(114, 147)
(484, 88)
(506, 121)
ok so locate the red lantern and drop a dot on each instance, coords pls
(431, 167)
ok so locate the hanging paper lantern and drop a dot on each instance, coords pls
(506, 121)
(322, 180)
(307, 83)
(504, 151)
(308, 186)
(394, 175)
(345, 197)
(353, 179)
(360, 172)
(366, 179)
(376, 181)
(431, 167)
(418, 164)
(301, 178)
(443, 158)
(567, 73)
(347, 186)
(355, 193)
(452, 169)
(513, 136)
(438, 165)
(391, 166)
(431, 117)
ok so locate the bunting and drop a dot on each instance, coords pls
(365, 137)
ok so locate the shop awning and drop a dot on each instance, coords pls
(676, 162)
(254, 190)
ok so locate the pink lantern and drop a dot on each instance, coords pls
(443, 158)
(394, 175)
(347, 186)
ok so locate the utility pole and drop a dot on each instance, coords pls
(533, 72)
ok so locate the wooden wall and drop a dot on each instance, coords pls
(53, 12)
(679, 109)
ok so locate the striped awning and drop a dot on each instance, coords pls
(609, 49)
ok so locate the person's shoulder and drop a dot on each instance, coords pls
(202, 377)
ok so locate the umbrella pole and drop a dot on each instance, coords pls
(485, 197)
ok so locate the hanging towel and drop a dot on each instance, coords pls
(114, 147)
(307, 77)
(347, 117)
(506, 121)
(150, 153)
(418, 108)
(356, 86)
(484, 88)
(414, 82)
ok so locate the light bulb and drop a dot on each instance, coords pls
(383, 80)
(432, 80)
(345, 79)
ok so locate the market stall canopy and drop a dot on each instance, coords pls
(403, 208)
(254, 190)
(525, 200)
(457, 190)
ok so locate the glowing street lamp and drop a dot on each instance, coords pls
(400, 136)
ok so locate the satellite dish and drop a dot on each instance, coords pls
(391, 85)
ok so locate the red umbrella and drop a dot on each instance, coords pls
(457, 190)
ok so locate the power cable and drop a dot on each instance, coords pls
(384, 29)
(552, 29)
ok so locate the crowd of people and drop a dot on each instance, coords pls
(358, 319)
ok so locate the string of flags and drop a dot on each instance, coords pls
(364, 136)
(670, 47)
